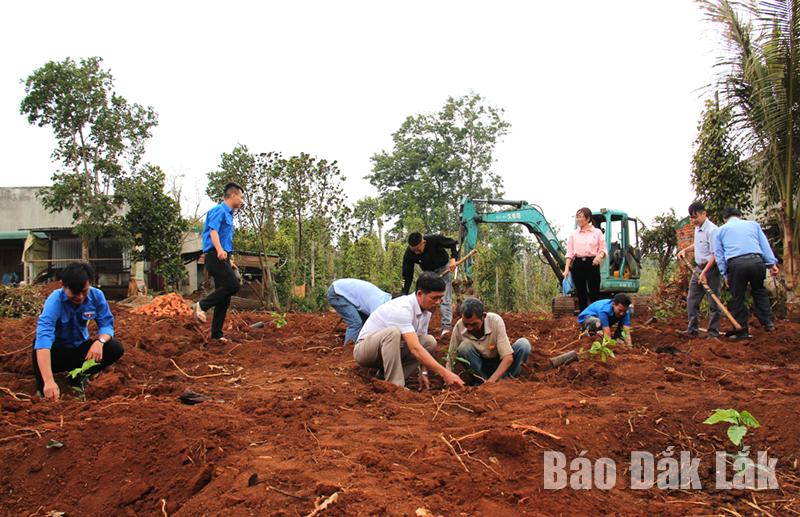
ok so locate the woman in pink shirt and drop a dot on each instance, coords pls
(586, 249)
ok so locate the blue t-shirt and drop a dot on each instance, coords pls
(219, 218)
(64, 324)
(604, 311)
(365, 296)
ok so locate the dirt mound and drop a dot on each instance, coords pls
(287, 419)
(171, 304)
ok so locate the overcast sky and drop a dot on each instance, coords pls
(603, 97)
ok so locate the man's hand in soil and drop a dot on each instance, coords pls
(95, 351)
(51, 391)
(452, 379)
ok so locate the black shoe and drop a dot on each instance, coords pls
(380, 375)
(712, 334)
(690, 334)
(740, 336)
(769, 327)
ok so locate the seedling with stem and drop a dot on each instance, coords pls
(740, 422)
(278, 319)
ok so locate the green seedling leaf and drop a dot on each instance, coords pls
(748, 419)
(462, 360)
(278, 319)
(52, 444)
(736, 433)
(82, 370)
(723, 415)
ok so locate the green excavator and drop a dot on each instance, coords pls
(619, 272)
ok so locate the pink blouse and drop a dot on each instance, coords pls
(586, 243)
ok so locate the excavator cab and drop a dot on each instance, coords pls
(619, 272)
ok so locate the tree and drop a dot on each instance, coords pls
(659, 242)
(367, 217)
(719, 175)
(761, 82)
(100, 139)
(260, 177)
(439, 158)
(155, 224)
(313, 199)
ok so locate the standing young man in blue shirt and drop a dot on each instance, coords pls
(743, 254)
(62, 332)
(705, 272)
(603, 313)
(354, 300)
(218, 247)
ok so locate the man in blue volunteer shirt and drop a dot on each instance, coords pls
(743, 255)
(354, 300)
(602, 314)
(218, 247)
(62, 332)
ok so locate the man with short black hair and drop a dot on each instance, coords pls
(705, 272)
(62, 332)
(743, 254)
(395, 337)
(218, 248)
(480, 338)
(603, 313)
(430, 252)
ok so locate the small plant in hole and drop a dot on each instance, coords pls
(79, 377)
(278, 319)
(740, 421)
(603, 348)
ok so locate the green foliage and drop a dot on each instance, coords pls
(278, 319)
(155, 223)
(81, 371)
(436, 160)
(97, 134)
(603, 348)
(659, 242)
(760, 82)
(17, 302)
(721, 178)
(740, 421)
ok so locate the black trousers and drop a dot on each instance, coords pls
(63, 359)
(586, 278)
(743, 271)
(226, 285)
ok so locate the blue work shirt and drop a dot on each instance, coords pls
(739, 237)
(219, 218)
(365, 296)
(604, 311)
(64, 324)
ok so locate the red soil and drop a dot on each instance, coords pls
(291, 407)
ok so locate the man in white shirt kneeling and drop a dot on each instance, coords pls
(395, 337)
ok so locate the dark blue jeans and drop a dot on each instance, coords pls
(351, 316)
(486, 367)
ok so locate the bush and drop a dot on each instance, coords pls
(17, 302)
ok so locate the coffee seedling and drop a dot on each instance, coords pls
(278, 319)
(87, 365)
(603, 348)
(740, 421)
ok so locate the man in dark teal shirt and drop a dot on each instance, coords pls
(218, 247)
(62, 332)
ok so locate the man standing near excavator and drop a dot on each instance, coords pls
(430, 252)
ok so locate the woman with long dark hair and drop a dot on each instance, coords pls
(586, 249)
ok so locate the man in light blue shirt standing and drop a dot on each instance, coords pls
(705, 272)
(743, 255)
(354, 300)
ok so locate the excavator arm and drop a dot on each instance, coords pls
(519, 212)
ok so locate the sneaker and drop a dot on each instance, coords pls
(199, 314)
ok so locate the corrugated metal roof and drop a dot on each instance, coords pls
(10, 236)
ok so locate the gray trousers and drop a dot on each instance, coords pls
(386, 349)
(446, 308)
(696, 294)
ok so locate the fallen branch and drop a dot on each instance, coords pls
(23, 435)
(318, 507)
(164, 507)
(453, 450)
(534, 429)
(301, 497)
(669, 369)
(15, 396)
(197, 376)
(473, 435)
(4, 354)
(439, 405)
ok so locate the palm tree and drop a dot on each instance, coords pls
(761, 81)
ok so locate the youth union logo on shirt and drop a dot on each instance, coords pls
(88, 315)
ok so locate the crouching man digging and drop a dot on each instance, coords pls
(395, 336)
(62, 333)
(480, 338)
(602, 314)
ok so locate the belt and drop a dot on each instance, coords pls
(746, 255)
(584, 259)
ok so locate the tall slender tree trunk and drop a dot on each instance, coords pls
(313, 262)
(85, 248)
(789, 259)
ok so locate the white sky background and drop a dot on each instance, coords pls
(603, 97)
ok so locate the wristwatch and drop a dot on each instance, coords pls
(102, 340)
